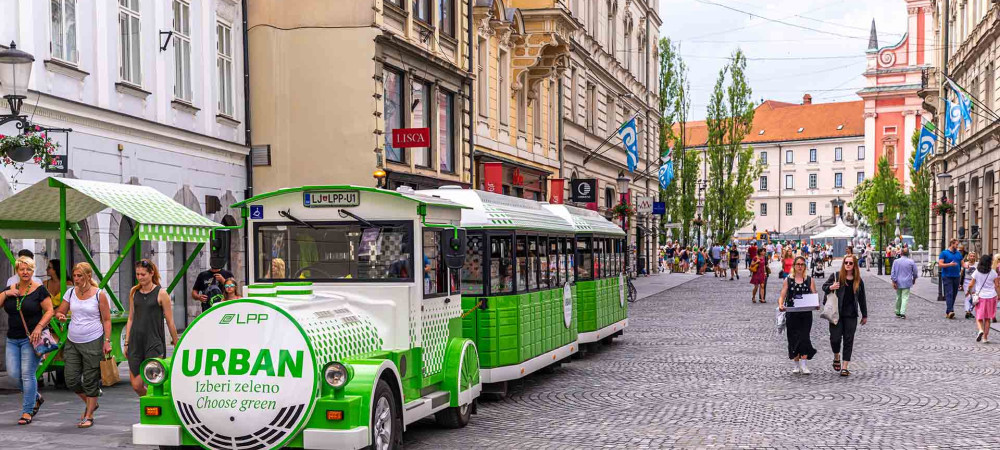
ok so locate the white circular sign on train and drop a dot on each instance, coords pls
(621, 289)
(567, 305)
(243, 377)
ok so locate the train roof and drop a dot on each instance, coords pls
(585, 220)
(410, 195)
(496, 211)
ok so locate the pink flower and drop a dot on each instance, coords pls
(2, 136)
(38, 128)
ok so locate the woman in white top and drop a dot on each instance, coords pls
(985, 284)
(89, 338)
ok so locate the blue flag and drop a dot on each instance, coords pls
(666, 173)
(953, 120)
(628, 133)
(964, 102)
(925, 146)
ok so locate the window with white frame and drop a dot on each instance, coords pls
(224, 66)
(838, 180)
(861, 152)
(553, 110)
(182, 50)
(62, 43)
(788, 209)
(812, 155)
(763, 182)
(446, 17)
(482, 77)
(763, 209)
(788, 182)
(861, 177)
(812, 208)
(446, 133)
(788, 157)
(536, 119)
(763, 158)
(838, 154)
(503, 86)
(812, 181)
(129, 45)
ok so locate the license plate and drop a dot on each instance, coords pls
(331, 198)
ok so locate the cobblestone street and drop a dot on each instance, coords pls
(700, 366)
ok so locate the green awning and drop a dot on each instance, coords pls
(34, 212)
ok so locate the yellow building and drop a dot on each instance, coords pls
(331, 81)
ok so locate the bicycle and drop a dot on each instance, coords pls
(633, 295)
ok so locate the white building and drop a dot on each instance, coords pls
(810, 154)
(153, 91)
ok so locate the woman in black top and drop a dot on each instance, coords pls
(798, 324)
(30, 300)
(850, 296)
(149, 306)
(734, 262)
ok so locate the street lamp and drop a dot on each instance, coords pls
(622, 182)
(944, 181)
(881, 231)
(15, 71)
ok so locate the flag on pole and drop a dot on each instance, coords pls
(964, 102)
(952, 120)
(628, 134)
(666, 173)
(925, 146)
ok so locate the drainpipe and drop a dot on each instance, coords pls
(247, 141)
(472, 106)
(779, 189)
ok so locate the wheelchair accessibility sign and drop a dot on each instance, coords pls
(256, 212)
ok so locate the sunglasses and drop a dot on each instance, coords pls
(849, 263)
(800, 264)
(230, 285)
(144, 263)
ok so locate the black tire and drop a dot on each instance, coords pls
(454, 417)
(393, 439)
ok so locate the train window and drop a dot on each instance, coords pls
(584, 259)
(555, 263)
(618, 256)
(501, 265)
(610, 256)
(472, 271)
(569, 266)
(434, 271)
(543, 263)
(522, 263)
(600, 255)
(532, 263)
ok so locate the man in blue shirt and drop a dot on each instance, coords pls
(949, 261)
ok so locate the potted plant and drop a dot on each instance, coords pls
(942, 208)
(623, 210)
(698, 221)
(34, 146)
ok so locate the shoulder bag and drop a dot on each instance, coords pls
(831, 306)
(47, 342)
(975, 297)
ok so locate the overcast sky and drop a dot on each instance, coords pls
(827, 64)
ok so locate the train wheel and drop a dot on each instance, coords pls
(468, 377)
(455, 417)
(387, 425)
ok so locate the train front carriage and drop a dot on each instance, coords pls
(600, 284)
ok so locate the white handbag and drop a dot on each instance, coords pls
(831, 307)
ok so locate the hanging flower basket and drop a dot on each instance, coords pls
(942, 208)
(19, 149)
(697, 222)
(623, 210)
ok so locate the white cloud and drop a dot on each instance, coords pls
(708, 33)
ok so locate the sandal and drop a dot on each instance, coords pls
(836, 365)
(87, 423)
(762, 301)
(845, 373)
(753, 300)
(38, 405)
(24, 420)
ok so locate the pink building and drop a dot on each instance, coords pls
(894, 76)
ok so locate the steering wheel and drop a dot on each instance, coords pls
(313, 272)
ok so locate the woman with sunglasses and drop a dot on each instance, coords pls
(232, 289)
(149, 307)
(850, 292)
(798, 324)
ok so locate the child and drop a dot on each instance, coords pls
(817, 272)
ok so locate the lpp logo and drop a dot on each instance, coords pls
(242, 319)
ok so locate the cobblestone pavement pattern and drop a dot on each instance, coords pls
(700, 367)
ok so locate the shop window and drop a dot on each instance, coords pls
(472, 271)
(434, 272)
(543, 263)
(584, 259)
(501, 268)
(522, 263)
(392, 98)
(532, 273)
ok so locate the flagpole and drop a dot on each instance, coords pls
(975, 100)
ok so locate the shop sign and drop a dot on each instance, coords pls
(314, 199)
(583, 191)
(238, 370)
(660, 208)
(556, 191)
(411, 137)
(516, 178)
(493, 177)
(644, 204)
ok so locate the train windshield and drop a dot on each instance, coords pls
(342, 252)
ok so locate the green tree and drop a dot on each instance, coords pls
(918, 201)
(732, 169)
(882, 188)
(675, 107)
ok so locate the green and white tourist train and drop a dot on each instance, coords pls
(371, 309)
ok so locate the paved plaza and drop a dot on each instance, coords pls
(700, 367)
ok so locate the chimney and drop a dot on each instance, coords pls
(807, 99)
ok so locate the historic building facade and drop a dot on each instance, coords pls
(143, 109)
(811, 156)
(894, 78)
(333, 81)
(972, 28)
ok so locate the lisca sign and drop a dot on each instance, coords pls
(411, 137)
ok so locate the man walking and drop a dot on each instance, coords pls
(716, 259)
(904, 275)
(949, 261)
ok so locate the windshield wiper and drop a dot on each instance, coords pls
(344, 213)
(289, 216)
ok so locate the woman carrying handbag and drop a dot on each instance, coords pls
(850, 292)
(985, 284)
(798, 324)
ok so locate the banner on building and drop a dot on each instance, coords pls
(666, 173)
(493, 177)
(556, 191)
(628, 133)
(411, 137)
(644, 204)
(925, 146)
(583, 191)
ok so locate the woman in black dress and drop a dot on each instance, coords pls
(798, 324)
(149, 306)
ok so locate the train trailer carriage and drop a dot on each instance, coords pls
(600, 283)
(352, 330)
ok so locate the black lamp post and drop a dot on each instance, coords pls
(622, 182)
(881, 235)
(944, 181)
(15, 71)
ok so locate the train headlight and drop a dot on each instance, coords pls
(336, 375)
(154, 372)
